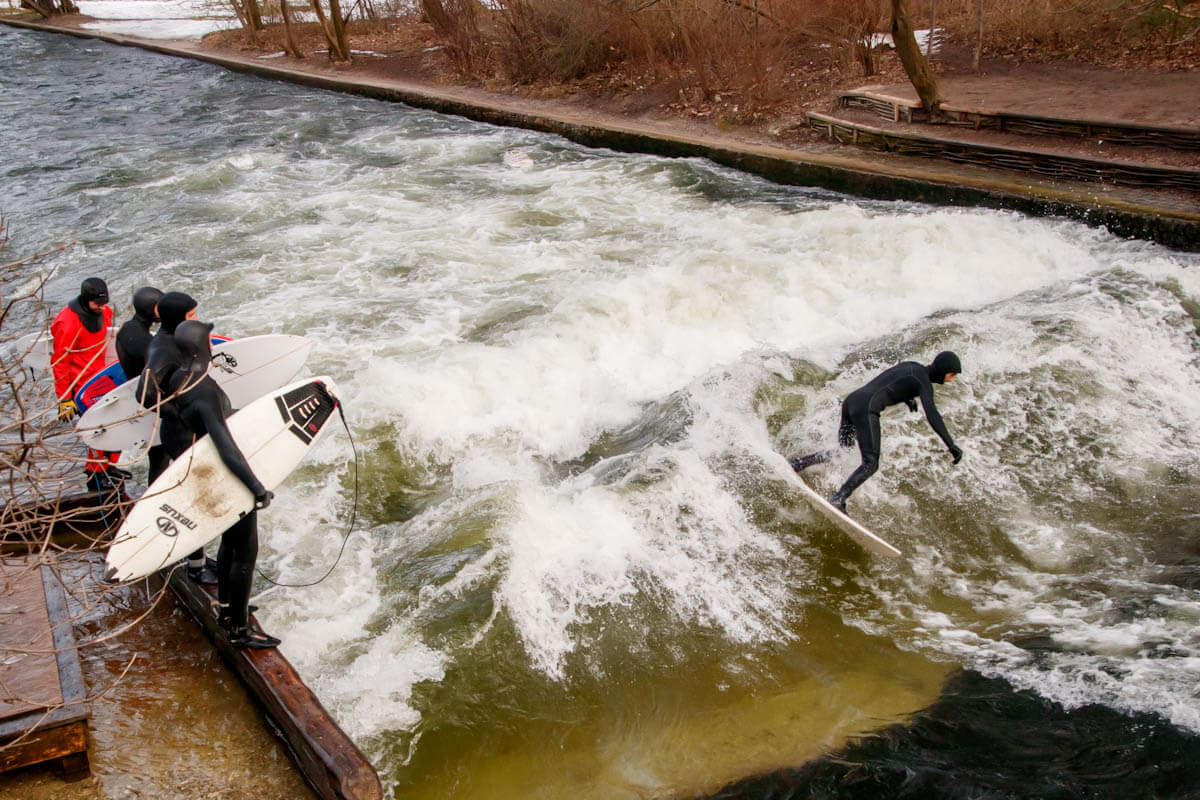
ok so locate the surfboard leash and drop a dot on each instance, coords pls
(349, 530)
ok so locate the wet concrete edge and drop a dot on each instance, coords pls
(846, 174)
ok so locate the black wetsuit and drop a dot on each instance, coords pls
(133, 339)
(903, 383)
(161, 360)
(201, 408)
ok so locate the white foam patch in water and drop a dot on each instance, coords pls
(635, 332)
(1120, 665)
(373, 691)
(586, 547)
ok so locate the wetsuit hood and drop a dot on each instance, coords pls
(943, 364)
(92, 290)
(173, 308)
(195, 346)
(145, 301)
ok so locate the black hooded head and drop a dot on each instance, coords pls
(145, 300)
(92, 290)
(943, 364)
(195, 348)
(173, 308)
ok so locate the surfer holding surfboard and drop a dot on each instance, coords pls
(201, 408)
(903, 383)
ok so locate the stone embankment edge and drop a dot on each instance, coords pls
(876, 179)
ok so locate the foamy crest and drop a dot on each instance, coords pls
(586, 547)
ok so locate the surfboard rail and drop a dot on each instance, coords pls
(845, 524)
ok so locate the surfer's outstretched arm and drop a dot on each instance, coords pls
(230, 454)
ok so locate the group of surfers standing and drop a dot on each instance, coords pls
(171, 367)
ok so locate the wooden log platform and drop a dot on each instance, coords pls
(43, 709)
(331, 763)
(74, 520)
(1028, 160)
(894, 108)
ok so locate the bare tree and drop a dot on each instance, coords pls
(50, 8)
(455, 22)
(289, 36)
(915, 64)
(44, 514)
(932, 28)
(333, 26)
(979, 37)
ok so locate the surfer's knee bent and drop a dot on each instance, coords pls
(846, 434)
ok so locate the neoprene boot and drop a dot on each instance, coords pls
(804, 462)
(244, 637)
(838, 501)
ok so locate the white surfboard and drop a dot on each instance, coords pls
(197, 498)
(245, 368)
(35, 350)
(846, 525)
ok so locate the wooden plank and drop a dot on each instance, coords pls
(1173, 136)
(1044, 162)
(70, 521)
(63, 742)
(28, 670)
(70, 673)
(44, 713)
(331, 763)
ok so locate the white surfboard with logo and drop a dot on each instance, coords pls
(245, 368)
(197, 498)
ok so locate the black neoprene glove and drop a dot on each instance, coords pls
(263, 500)
(956, 453)
(912, 404)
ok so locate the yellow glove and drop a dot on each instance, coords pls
(67, 410)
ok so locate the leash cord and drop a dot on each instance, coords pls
(349, 530)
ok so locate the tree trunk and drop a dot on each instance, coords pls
(253, 16)
(339, 28)
(932, 28)
(289, 36)
(979, 39)
(335, 48)
(919, 73)
(48, 8)
(437, 15)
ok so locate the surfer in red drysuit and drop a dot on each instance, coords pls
(80, 336)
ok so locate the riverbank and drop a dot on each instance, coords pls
(779, 148)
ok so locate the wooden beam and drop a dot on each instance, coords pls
(331, 763)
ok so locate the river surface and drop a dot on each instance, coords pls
(572, 375)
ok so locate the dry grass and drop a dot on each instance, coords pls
(739, 63)
(1156, 33)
